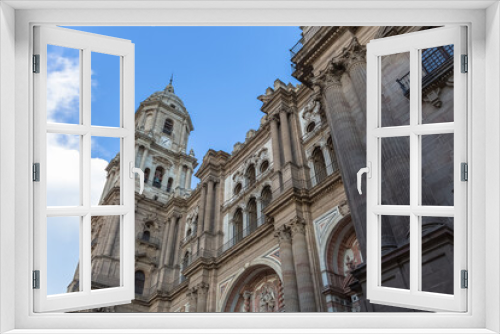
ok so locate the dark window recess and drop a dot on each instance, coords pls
(140, 279)
(311, 126)
(168, 126)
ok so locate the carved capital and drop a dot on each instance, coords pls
(331, 75)
(298, 225)
(192, 294)
(202, 288)
(354, 54)
(283, 234)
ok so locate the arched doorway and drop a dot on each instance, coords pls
(342, 256)
(257, 289)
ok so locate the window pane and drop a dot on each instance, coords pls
(437, 254)
(395, 261)
(395, 170)
(105, 252)
(105, 171)
(395, 90)
(63, 85)
(63, 170)
(437, 84)
(105, 90)
(63, 254)
(437, 170)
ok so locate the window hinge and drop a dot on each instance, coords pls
(36, 172)
(465, 63)
(465, 279)
(464, 168)
(36, 279)
(36, 63)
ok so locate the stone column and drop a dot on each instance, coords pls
(328, 161)
(177, 178)
(164, 243)
(176, 243)
(170, 240)
(201, 211)
(209, 206)
(285, 136)
(202, 297)
(297, 147)
(114, 221)
(350, 152)
(288, 270)
(188, 178)
(217, 220)
(193, 299)
(143, 160)
(276, 144)
(312, 172)
(259, 211)
(245, 222)
(356, 67)
(301, 258)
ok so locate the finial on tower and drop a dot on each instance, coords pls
(170, 87)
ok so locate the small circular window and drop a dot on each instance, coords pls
(264, 166)
(311, 126)
(237, 189)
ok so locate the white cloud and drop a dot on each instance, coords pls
(63, 170)
(63, 163)
(63, 87)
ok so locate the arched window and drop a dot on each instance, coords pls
(188, 233)
(146, 175)
(331, 151)
(237, 226)
(237, 189)
(250, 174)
(264, 166)
(169, 184)
(265, 196)
(252, 214)
(310, 127)
(158, 177)
(168, 126)
(319, 165)
(140, 279)
(146, 235)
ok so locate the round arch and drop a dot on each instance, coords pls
(247, 276)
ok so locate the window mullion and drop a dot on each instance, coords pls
(414, 169)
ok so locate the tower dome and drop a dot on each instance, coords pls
(168, 97)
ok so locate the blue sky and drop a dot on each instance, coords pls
(218, 73)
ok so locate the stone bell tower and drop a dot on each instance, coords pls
(163, 126)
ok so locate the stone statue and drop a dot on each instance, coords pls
(267, 300)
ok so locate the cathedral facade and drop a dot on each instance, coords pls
(276, 225)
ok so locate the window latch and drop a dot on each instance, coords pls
(132, 171)
(368, 171)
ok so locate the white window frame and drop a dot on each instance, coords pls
(16, 127)
(412, 44)
(86, 44)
